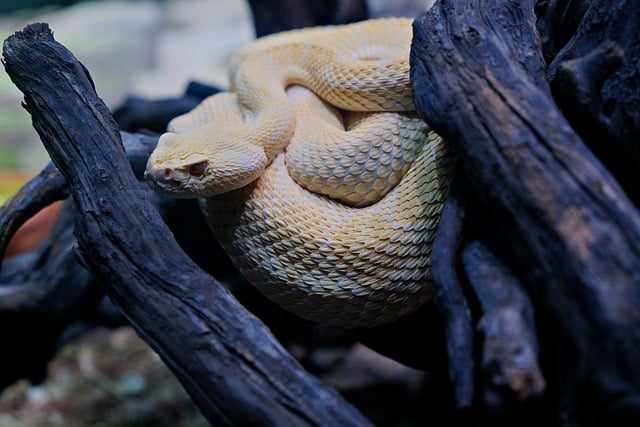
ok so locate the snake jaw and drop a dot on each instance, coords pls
(174, 178)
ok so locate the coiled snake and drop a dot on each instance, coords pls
(315, 173)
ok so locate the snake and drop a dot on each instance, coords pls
(316, 174)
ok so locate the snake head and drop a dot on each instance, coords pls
(193, 165)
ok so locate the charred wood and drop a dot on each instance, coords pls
(271, 16)
(479, 79)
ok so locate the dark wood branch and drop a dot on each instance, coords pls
(510, 346)
(479, 79)
(557, 22)
(271, 16)
(449, 296)
(42, 190)
(50, 276)
(596, 81)
(227, 360)
(137, 114)
(40, 294)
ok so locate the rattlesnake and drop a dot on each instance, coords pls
(315, 174)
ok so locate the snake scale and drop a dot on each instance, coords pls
(315, 173)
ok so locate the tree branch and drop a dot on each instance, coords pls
(479, 80)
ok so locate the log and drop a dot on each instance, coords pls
(594, 78)
(510, 345)
(449, 295)
(141, 114)
(45, 188)
(227, 360)
(479, 79)
(40, 294)
(272, 16)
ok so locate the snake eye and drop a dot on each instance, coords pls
(198, 169)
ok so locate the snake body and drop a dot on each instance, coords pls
(315, 173)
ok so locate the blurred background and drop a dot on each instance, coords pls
(148, 48)
(136, 47)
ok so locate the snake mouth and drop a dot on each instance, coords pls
(177, 180)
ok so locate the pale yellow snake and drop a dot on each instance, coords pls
(331, 213)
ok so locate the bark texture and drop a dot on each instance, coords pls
(480, 79)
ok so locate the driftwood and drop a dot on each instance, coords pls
(593, 77)
(272, 16)
(153, 115)
(480, 80)
(536, 315)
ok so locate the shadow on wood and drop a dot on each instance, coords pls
(479, 78)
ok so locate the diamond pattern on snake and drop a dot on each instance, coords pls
(316, 174)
